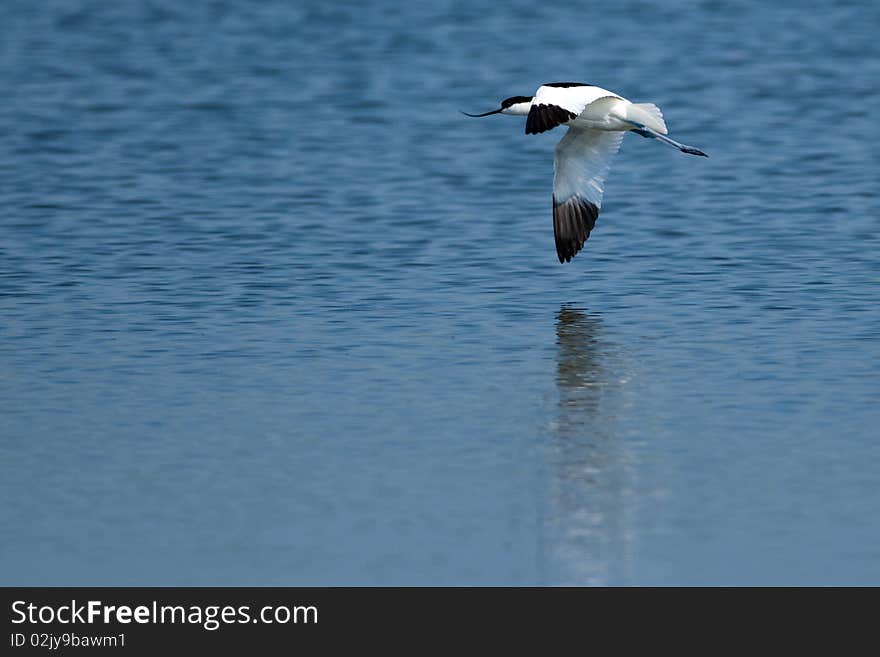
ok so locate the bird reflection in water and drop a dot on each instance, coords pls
(587, 540)
(579, 371)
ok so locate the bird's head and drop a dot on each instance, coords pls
(516, 105)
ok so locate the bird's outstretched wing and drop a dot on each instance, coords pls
(582, 160)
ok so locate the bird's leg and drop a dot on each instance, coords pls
(644, 131)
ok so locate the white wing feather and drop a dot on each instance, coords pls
(583, 158)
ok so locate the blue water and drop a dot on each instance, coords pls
(273, 312)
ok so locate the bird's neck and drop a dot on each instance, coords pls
(518, 109)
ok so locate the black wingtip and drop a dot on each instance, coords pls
(573, 220)
(542, 118)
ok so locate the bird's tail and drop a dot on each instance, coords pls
(649, 115)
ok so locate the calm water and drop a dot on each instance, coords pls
(273, 312)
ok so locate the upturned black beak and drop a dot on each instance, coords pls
(476, 116)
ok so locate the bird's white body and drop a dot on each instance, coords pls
(596, 119)
(596, 108)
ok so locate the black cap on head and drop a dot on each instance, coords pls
(507, 102)
(515, 100)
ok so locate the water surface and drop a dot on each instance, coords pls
(273, 312)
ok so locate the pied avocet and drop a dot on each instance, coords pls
(597, 120)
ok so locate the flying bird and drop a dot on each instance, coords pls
(597, 119)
